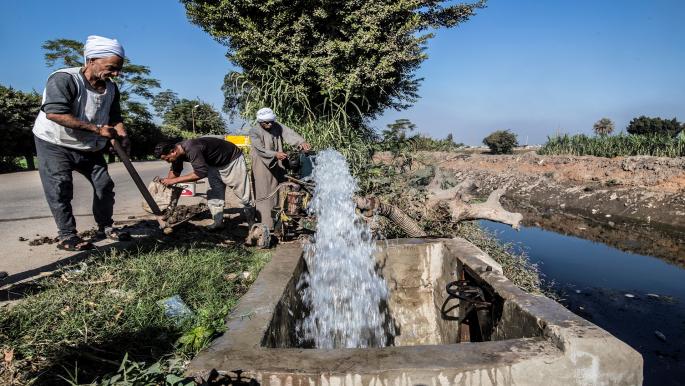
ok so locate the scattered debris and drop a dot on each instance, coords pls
(175, 308)
(43, 240)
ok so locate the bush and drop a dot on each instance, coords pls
(501, 142)
(645, 125)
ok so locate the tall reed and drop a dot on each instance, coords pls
(615, 146)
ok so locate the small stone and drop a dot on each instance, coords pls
(653, 296)
(22, 238)
(230, 276)
(613, 196)
(581, 308)
(246, 275)
(611, 223)
(578, 291)
(562, 206)
(607, 216)
(594, 211)
(660, 335)
(131, 217)
(629, 296)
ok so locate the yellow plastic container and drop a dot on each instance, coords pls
(241, 141)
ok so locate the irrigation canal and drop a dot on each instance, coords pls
(639, 299)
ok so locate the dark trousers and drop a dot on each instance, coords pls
(55, 164)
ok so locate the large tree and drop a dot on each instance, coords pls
(18, 111)
(360, 55)
(193, 116)
(136, 87)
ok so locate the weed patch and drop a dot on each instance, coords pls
(80, 324)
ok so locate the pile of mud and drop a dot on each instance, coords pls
(184, 212)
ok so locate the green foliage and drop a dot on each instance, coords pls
(105, 308)
(194, 116)
(660, 145)
(603, 127)
(501, 142)
(645, 125)
(357, 55)
(18, 111)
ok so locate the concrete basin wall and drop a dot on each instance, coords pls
(535, 341)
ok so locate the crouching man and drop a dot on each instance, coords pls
(220, 161)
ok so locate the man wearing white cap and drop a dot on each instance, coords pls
(79, 114)
(267, 155)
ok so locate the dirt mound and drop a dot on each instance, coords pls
(643, 189)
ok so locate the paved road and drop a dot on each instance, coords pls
(25, 213)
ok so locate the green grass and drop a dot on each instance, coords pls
(615, 146)
(94, 314)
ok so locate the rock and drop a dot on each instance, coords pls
(131, 217)
(246, 275)
(660, 335)
(613, 196)
(653, 296)
(611, 223)
(577, 291)
(230, 276)
(22, 238)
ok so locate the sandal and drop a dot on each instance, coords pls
(114, 234)
(74, 244)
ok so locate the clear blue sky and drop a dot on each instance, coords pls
(529, 66)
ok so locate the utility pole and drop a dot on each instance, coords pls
(193, 114)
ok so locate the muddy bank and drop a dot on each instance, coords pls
(625, 189)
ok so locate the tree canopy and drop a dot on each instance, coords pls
(501, 142)
(192, 116)
(604, 126)
(647, 125)
(358, 55)
(18, 111)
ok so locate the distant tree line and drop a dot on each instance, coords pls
(397, 140)
(181, 118)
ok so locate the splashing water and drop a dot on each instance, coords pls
(342, 290)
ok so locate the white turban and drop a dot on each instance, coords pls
(265, 114)
(100, 47)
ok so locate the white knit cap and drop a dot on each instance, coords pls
(265, 114)
(101, 47)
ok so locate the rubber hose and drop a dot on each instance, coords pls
(406, 223)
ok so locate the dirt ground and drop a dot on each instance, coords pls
(641, 189)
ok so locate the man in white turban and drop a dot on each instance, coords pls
(267, 155)
(79, 114)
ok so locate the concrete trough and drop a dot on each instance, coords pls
(525, 340)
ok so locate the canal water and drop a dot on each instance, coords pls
(639, 299)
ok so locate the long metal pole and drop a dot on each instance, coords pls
(138, 181)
